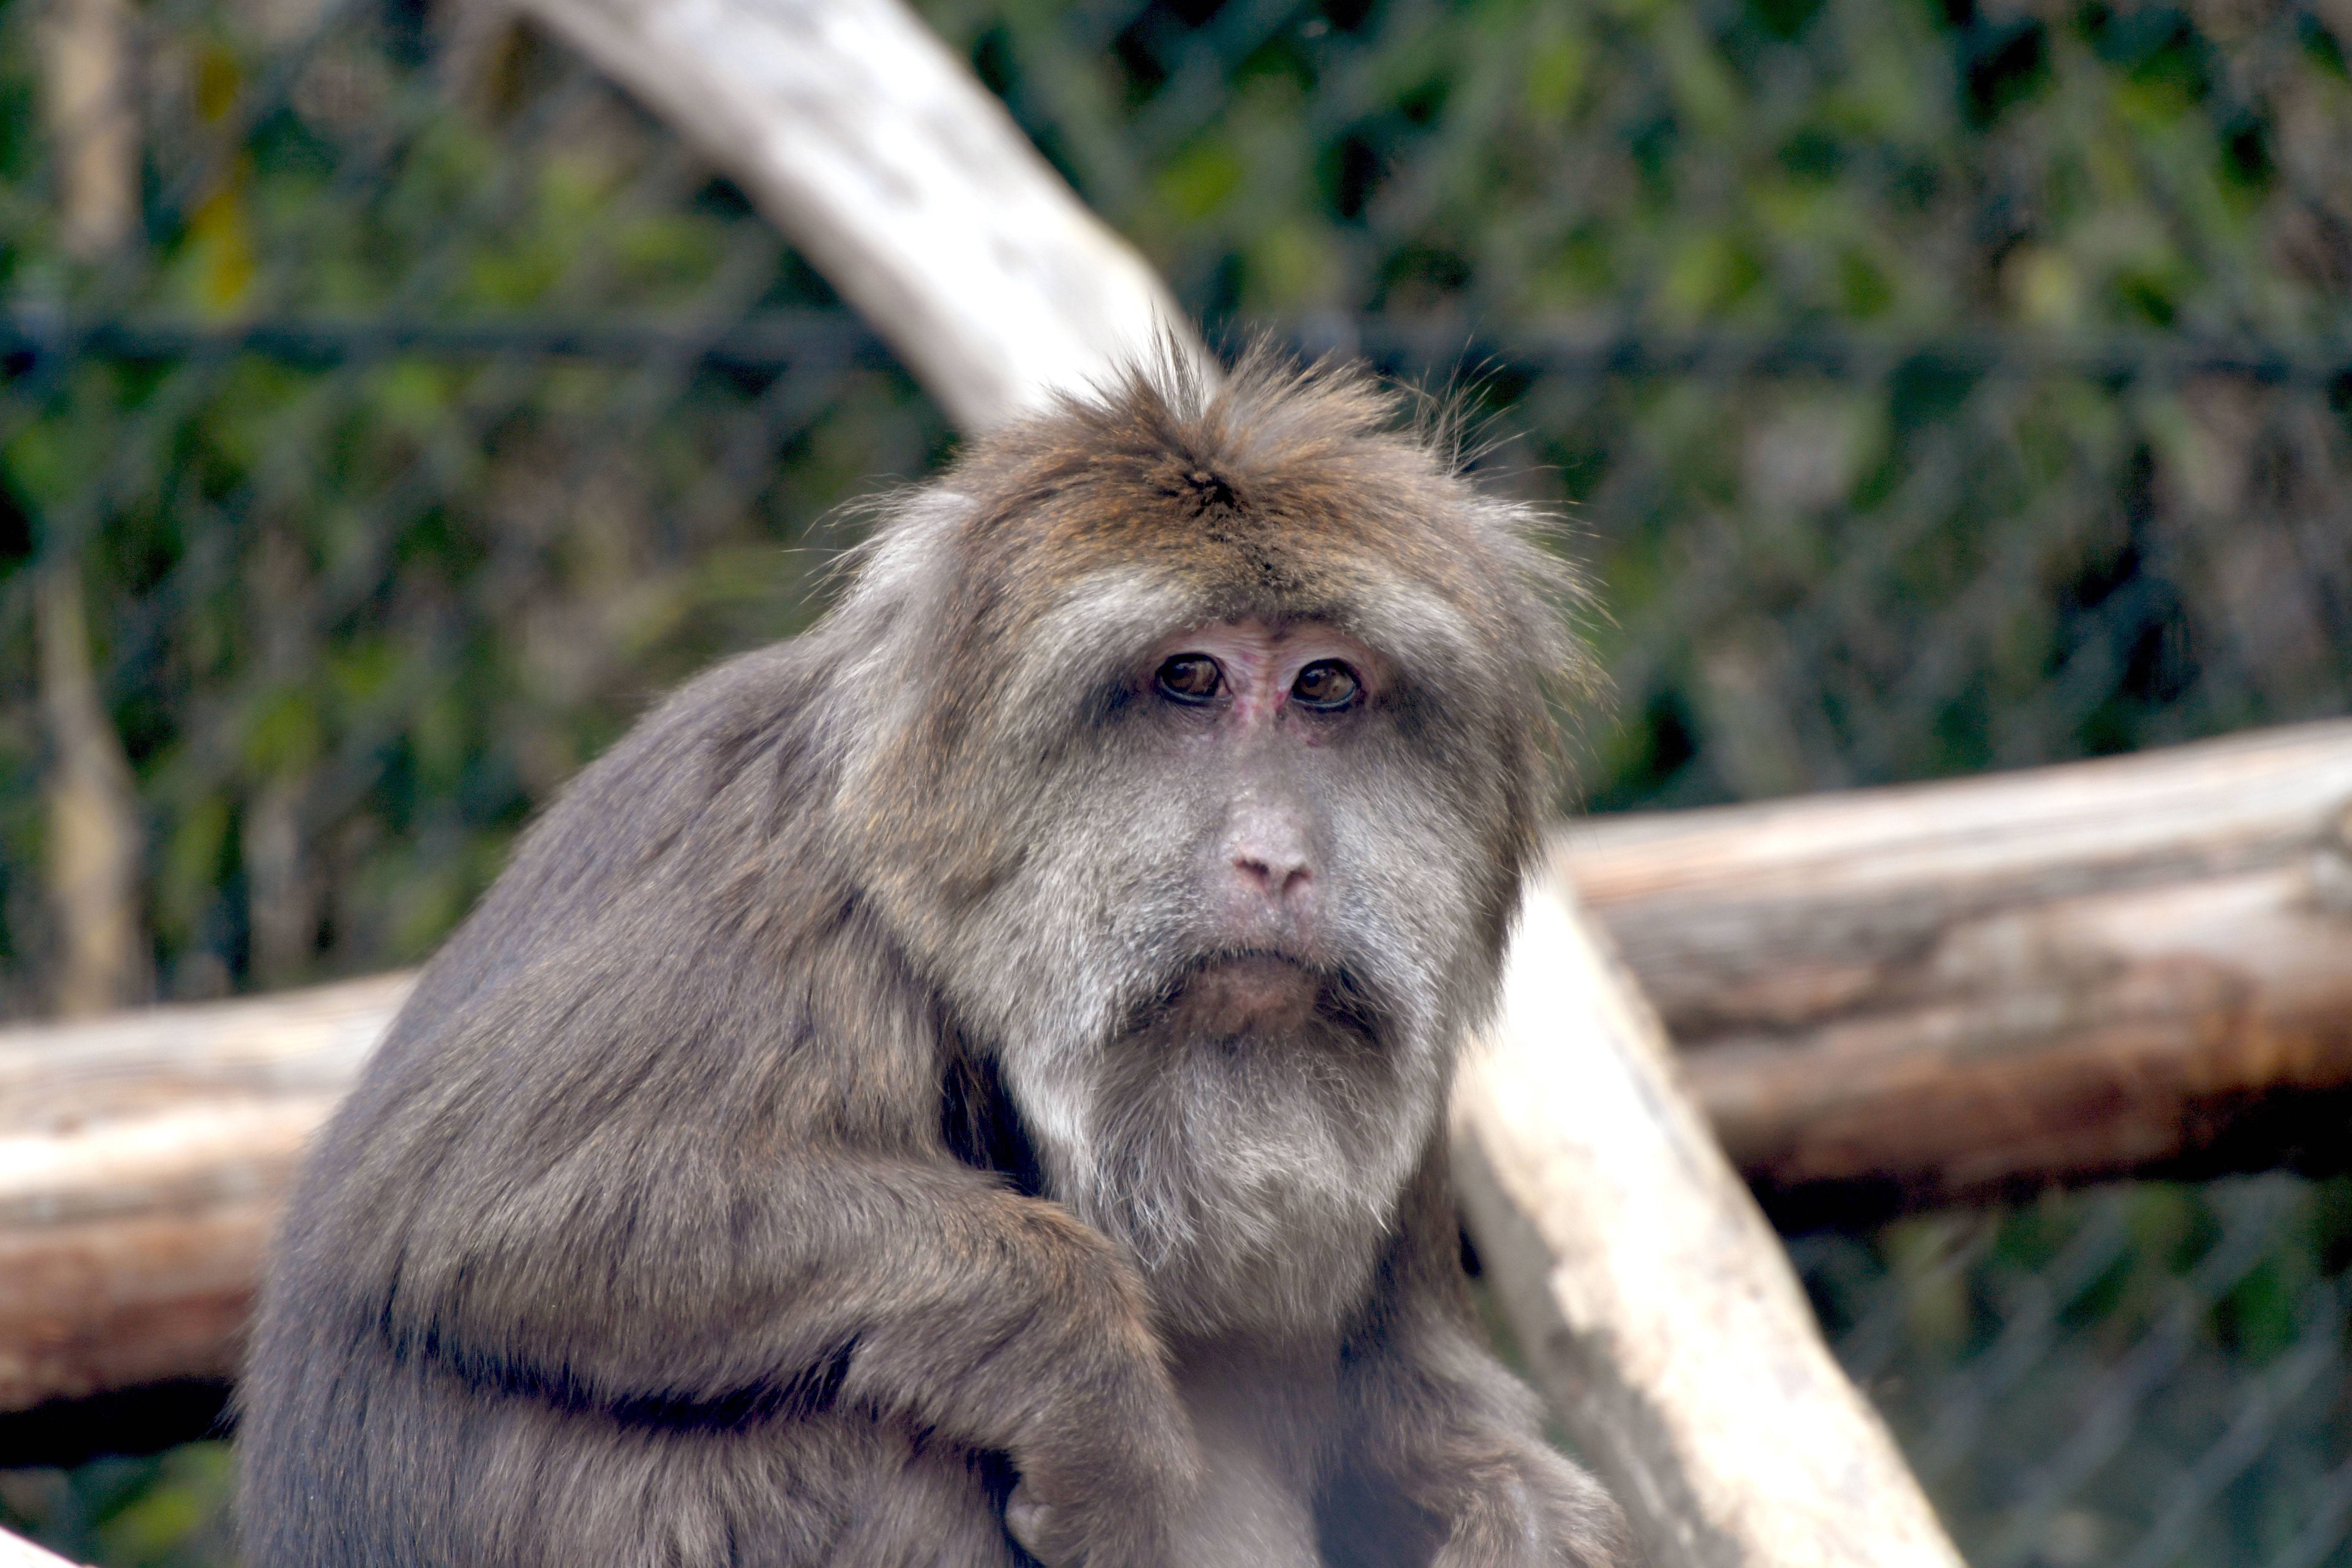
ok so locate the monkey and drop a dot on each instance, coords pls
(964, 1086)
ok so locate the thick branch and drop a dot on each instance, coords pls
(1882, 997)
(15, 1552)
(882, 159)
(143, 1161)
(1651, 1298)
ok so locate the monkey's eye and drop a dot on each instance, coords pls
(1326, 686)
(1189, 677)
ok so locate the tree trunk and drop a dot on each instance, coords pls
(95, 837)
(93, 129)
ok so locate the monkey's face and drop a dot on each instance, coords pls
(1249, 726)
(1198, 752)
(1242, 899)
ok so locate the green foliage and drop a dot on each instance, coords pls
(397, 598)
(1888, 571)
(161, 1512)
(1784, 160)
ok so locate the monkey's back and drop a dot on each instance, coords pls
(362, 1443)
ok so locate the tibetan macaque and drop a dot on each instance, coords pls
(964, 1086)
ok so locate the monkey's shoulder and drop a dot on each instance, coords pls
(754, 726)
(634, 860)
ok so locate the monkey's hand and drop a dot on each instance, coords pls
(1030, 1522)
(1052, 1533)
(1013, 1327)
(1458, 1438)
(1521, 1505)
(1446, 1429)
(1439, 1425)
(1113, 1502)
(923, 1291)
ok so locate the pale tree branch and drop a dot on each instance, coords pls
(884, 162)
(15, 1552)
(89, 113)
(1653, 1301)
(95, 842)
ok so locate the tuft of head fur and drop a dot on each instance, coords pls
(998, 616)
(1282, 492)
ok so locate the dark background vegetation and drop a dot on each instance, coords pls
(1927, 387)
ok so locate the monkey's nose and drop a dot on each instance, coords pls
(1281, 879)
(1273, 877)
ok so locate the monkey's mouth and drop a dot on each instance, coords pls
(1263, 994)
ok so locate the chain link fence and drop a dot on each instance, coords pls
(391, 408)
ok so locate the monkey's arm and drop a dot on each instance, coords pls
(722, 1218)
(1435, 1417)
(999, 1322)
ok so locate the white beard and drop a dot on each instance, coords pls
(1253, 1186)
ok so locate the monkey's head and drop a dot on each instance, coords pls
(1205, 735)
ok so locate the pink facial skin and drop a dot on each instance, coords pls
(1261, 663)
(1269, 844)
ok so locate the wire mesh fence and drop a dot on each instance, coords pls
(391, 408)
(2137, 1375)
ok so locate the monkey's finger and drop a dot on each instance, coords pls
(1029, 1521)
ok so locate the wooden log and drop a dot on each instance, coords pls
(1651, 1298)
(143, 1161)
(884, 161)
(15, 1552)
(1907, 996)
(1886, 996)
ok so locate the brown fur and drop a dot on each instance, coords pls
(832, 1130)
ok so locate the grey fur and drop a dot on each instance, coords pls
(799, 1157)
